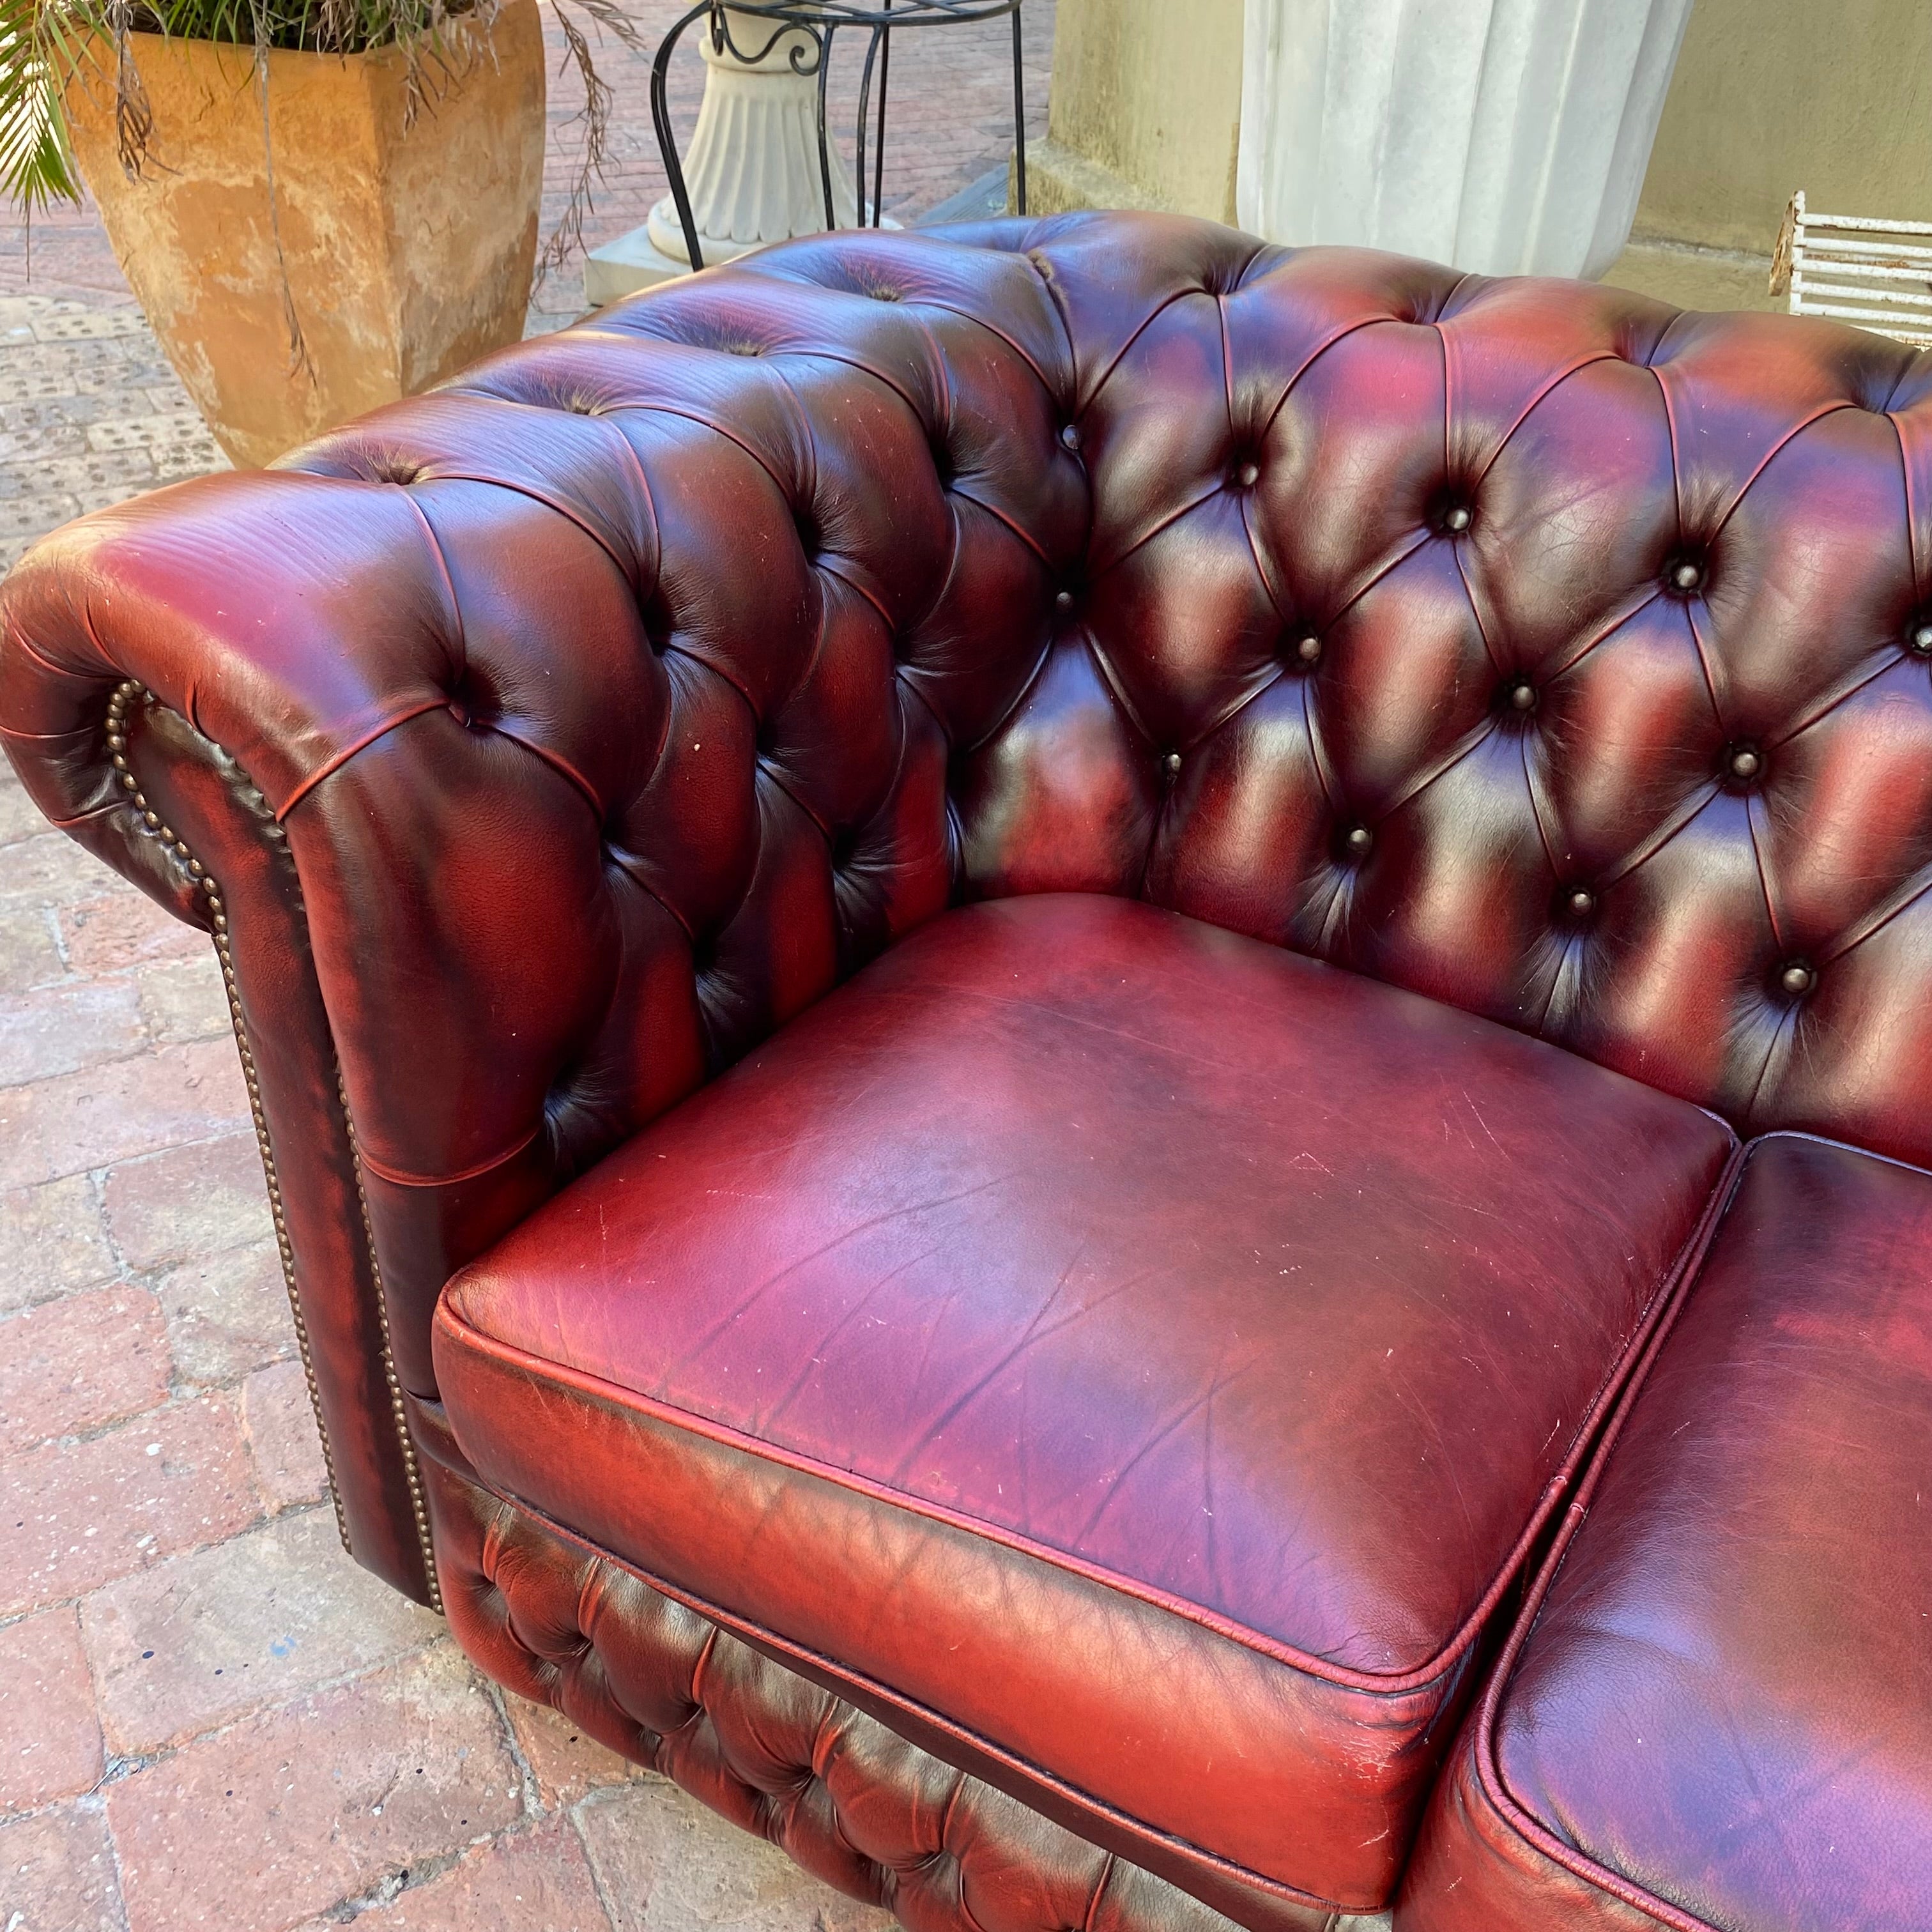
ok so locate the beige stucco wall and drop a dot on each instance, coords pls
(1146, 107)
(1832, 96)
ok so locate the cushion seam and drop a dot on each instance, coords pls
(1663, 1296)
(1511, 1810)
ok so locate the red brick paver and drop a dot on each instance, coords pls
(50, 1737)
(213, 1635)
(76, 1515)
(73, 1366)
(257, 1827)
(57, 1873)
(208, 1716)
(282, 1437)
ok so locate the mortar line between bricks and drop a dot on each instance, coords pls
(149, 1281)
(145, 1050)
(54, 1296)
(597, 1888)
(114, 1857)
(97, 1181)
(180, 1392)
(126, 1159)
(532, 1799)
(190, 1395)
(93, 1705)
(141, 1761)
(72, 976)
(378, 1897)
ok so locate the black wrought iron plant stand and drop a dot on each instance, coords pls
(818, 21)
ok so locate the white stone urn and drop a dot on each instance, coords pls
(1506, 137)
(752, 168)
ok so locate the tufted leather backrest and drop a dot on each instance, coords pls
(1525, 643)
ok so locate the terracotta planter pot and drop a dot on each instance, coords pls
(409, 247)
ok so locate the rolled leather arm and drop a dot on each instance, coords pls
(533, 747)
(171, 684)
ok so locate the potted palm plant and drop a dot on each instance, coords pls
(321, 205)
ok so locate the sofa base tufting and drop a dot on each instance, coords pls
(859, 1807)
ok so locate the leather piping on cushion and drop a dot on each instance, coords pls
(490, 1547)
(1224, 1887)
(1446, 1677)
(1473, 1781)
(1095, 1814)
(1664, 1302)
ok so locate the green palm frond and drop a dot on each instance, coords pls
(36, 50)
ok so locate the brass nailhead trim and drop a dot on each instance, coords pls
(411, 1473)
(126, 695)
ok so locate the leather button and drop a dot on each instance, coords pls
(1069, 437)
(1920, 640)
(1248, 475)
(1743, 763)
(1797, 978)
(1687, 576)
(1582, 902)
(1359, 841)
(1064, 600)
(1308, 648)
(1172, 762)
(1458, 520)
(1521, 695)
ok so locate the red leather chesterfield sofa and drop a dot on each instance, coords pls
(1098, 1061)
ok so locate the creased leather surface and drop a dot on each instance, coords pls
(1526, 645)
(652, 675)
(623, 695)
(1144, 1347)
(1721, 1715)
(851, 1801)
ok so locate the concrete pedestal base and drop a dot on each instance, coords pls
(634, 262)
(753, 173)
(1060, 179)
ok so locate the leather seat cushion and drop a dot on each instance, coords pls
(1722, 1714)
(1142, 1350)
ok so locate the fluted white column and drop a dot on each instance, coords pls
(1508, 136)
(751, 170)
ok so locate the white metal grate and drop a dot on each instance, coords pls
(1876, 274)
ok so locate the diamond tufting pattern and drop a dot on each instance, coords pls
(1528, 645)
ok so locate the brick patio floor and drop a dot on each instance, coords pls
(208, 1717)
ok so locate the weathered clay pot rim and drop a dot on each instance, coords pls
(468, 23)
(313, 253)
